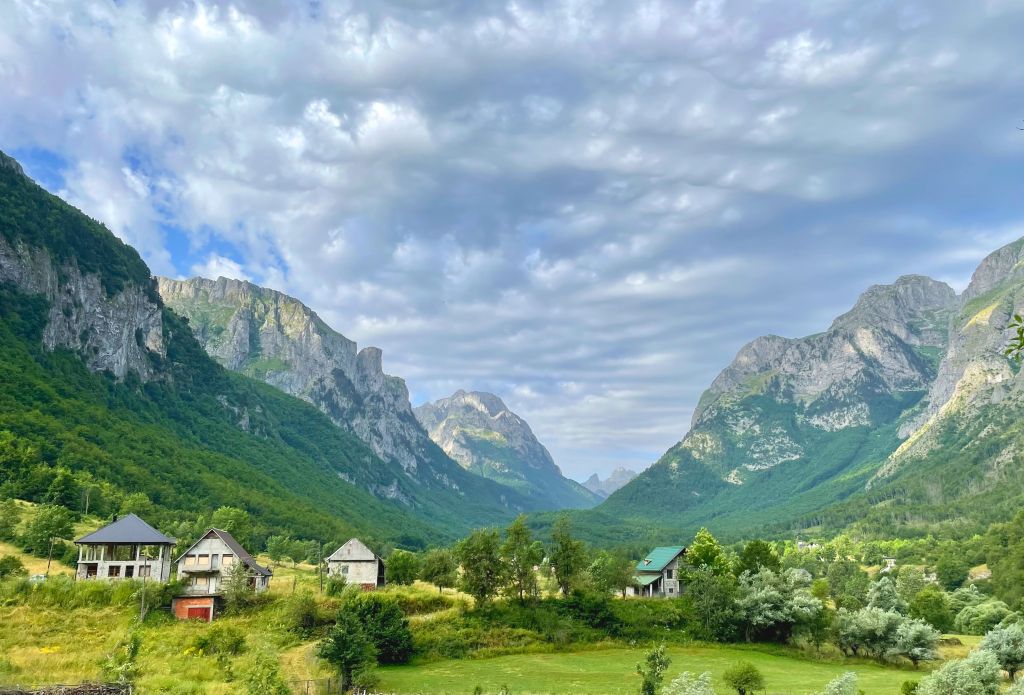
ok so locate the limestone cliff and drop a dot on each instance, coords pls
(479, 432)
(615, 481)
(270, 336)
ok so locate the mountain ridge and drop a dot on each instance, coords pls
(480, 432)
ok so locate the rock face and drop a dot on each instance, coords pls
(793, 422)
(272, 337)
(120, 332)
(479, 432)
(615, 481)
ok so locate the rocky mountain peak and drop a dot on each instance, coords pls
(915, 308)
(7, 162)
(997, 268)
(479, 431)
(617, 479)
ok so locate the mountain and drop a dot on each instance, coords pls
(107, 385)
(270, 336)
(795, 425)
(478, 431)
(615, 480)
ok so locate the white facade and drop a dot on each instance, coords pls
(207, 565)
(123, 561)
(357, 564)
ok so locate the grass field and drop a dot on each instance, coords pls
(612, 672)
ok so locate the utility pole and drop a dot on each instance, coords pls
(145, 576)
(49, 556)
(320, 563)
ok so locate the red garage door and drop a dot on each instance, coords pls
(199, 613)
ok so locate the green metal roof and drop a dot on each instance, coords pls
(645, 579)
(658, 558)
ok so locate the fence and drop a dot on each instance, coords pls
(319, 686)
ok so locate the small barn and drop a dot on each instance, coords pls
(206, 566)
(126, 548)
(357, 564)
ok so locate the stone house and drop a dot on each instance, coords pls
(658, 573)
(357, 564)
(126, 548)
(205, 567)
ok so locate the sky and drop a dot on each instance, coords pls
(584, 207)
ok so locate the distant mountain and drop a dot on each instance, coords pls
(795, 425)
(479, 432)
(270, 336)
(615, 480)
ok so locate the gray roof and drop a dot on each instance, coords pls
(240, 552)
(128, 529)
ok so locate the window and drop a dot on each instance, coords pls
(227, 560)
(114, 571)
(129, 571)
(203, 560)
(671, 591)
(190, 561)
(200, 582)
(668, 574)
(344, 569)
(145, 571)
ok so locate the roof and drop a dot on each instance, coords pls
(645, 579)
(354, 551)
(658, 558)
(240, 552)
(128, 529)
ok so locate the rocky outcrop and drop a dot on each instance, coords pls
(270, 336)
(119, 333)
(479, 432)
(615, 480)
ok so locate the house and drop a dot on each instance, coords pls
(357, 564)
(888, 564)
(126, 548)
(206, 568)
(658, 573)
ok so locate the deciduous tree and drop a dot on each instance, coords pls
(440, 568)
(482, 569)
(1007, 644)
(568, 555)
(521, 554)
(347, 648)
(402, 567)
(744, 678)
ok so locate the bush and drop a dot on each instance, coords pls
(10, 566)
(591, 608)
(384, 623)
(335, 586)
(221, 639)
(299, 613)
(744, 678)
(980, 618)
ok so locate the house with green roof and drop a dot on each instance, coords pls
(658, 573)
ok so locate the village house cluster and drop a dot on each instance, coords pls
(129, 548)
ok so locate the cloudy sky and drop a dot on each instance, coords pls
(585, 207)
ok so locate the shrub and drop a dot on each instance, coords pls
(590, 608)
(299, 613)
(978, 674)
(385, 625)
(982, 617)
(221, 639)
(335, 586)
(264, 677)
(744, 678)
(11, 566)
(652, 670)
(1007, 645)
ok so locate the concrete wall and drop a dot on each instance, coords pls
(109, 569)
(354, 572)
(209, 554)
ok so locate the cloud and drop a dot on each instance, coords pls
(586, 207)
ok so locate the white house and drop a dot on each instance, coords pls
(126, 548)
(206, 567)
(357, 564)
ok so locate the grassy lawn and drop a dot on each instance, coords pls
(611, 672)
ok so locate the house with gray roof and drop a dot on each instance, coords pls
(206, 566)
(658, 573)
(126, 548)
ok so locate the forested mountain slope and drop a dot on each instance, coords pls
(478, 431)
(102, 380)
